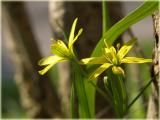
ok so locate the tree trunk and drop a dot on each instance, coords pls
(153, 104)
(37, 94)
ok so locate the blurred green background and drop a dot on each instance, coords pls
(38, 12)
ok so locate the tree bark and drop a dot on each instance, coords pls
(36, 92)
(153, 104)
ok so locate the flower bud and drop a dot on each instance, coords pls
(117, 70)
(118, 46)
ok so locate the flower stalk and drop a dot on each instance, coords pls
(111, 58)
(114, 57)
(66, 53)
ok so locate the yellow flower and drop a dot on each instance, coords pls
(114, 58)
(60, 50)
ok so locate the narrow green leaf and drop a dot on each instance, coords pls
(105, 15)
(116, 100)
(119, 95)
(113, 33)
(90, 94)
(81, 93)
(107, 85)
(141, 92)
(72, 101)
(124, 94)
(106, 96)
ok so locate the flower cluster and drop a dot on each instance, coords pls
(111, 56)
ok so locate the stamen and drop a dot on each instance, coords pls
(118, 46)
(106, 43)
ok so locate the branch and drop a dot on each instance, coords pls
(155, 71)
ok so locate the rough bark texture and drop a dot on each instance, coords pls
(62, 15)
(37, 94)
(153, 105)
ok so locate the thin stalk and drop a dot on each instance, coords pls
(119, 95)
(143, 89)
(81, 92)
(101, 92)
(72, 101)
(105, 15)
(124, 94)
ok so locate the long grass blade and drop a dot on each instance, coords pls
(120, 95)
(105, 15)
(81, 93)
(141, 92)
(90, 88)
(113, 33)
(72, 101)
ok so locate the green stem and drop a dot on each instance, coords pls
(81, 92)
(72, 101)
(124, 93)
(105, 15)
(101, 92)
(143, 89)
(119, 95)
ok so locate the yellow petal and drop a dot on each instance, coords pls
(126, 48)
(60, 49)
(113, 50)
(43, 71)
(107, 54)
(100, 70)
(117, 70)
(72, 42)
(135, 60)
(93, 60)
(114, 55)
(78, 34)
(118, 46)
(71, 37)
(49, 60)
